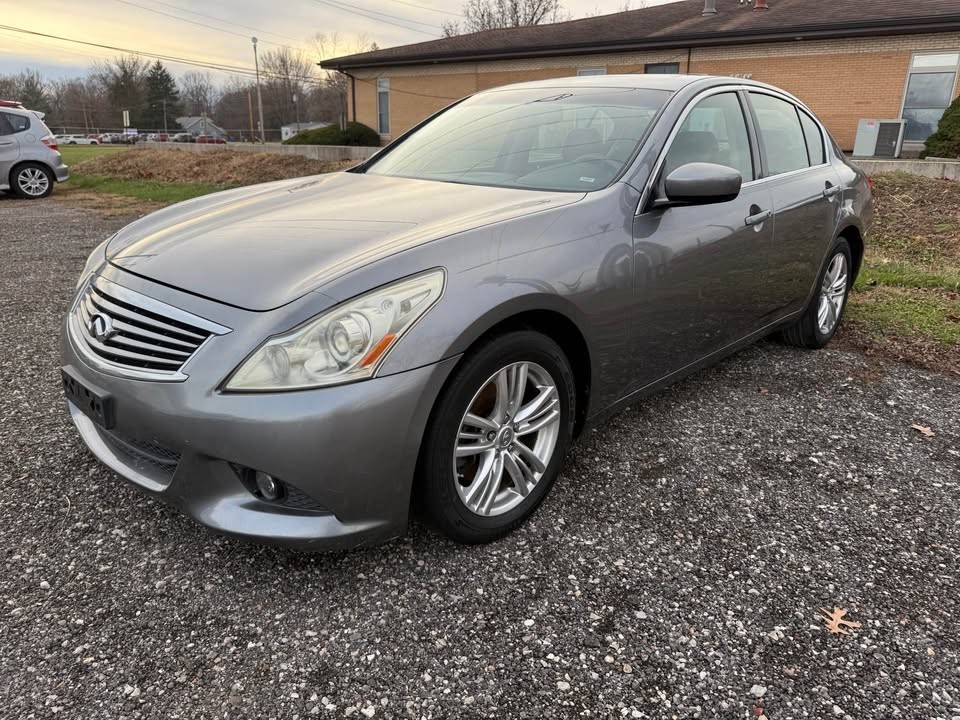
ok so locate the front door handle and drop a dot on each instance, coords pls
(758, 218)
(830, 190)
(6, 142)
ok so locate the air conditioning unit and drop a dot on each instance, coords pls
(879, 138)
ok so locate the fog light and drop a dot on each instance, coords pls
(268, 488)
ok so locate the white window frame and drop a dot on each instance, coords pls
(383, 88)
(591, 71)
(936, 68)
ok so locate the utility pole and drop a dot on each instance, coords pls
(296, 109)
(165, 131)
(256, 63)
(250, 110)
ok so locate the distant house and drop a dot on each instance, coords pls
(288, 131)
(200, 125)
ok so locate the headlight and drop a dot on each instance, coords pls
(344, 344)
(96, 259)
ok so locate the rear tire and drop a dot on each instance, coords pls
(31, 181)
(507, 413)
(823, 315)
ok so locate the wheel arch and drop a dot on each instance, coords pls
(854, 237)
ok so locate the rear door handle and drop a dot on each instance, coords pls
(758, 218)
(6, 142)
(831, 190)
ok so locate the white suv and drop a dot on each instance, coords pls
(30, 161)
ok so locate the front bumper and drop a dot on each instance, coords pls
(349, 452)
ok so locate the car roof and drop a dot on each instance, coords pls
(641, 81)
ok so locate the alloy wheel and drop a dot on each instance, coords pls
(833, 293)
(33, 181)
(506, 438)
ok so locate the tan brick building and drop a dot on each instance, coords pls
(846, 59)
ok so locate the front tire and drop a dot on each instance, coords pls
(497, 437)
(31, 181)
(820, 320)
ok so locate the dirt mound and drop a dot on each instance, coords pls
(223, 167)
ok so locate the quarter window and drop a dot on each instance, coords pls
(383, 106)
(814, 138)
(714, 131)
(780, 133)
(17, 123)
(930, 87)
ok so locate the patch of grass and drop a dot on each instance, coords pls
(142, 189)
(907, 276)
(73, 154)
(883, 311)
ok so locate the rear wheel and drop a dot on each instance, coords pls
(31, 181)
(497, 437)
(820, 320)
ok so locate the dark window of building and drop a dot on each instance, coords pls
(383, 106)
(930, 85)
(714, 131)
(780, 131)
(662, 68)
(814, 138)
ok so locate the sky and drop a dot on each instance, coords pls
(219, 31)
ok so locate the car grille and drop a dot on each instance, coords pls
(147, 458)
(130, 331)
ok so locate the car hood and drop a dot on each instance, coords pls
(264, 246)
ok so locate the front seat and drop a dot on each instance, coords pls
(580, 142)
(692, 146)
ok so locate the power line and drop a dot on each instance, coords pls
(228, 22)
(196, 22)
(424, 7)
(372, 15)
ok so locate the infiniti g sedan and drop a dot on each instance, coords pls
(302, 362)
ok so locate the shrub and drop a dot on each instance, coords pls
(354, 134)
(945, 142)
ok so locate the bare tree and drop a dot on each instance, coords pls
(124, 80)
(492, 14)
(328, 100)
(287, 76)
(198, 93)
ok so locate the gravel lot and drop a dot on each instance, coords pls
(676, 571)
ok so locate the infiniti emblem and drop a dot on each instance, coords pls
(101, 327)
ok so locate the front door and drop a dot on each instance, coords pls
(700, 270)
(9, 147)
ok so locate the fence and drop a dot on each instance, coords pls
(314, 152)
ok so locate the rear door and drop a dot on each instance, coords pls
(806, 197)
(699, 270)
(9, 148)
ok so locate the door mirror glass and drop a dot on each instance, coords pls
(699, 183)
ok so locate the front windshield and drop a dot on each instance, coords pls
(552, 139)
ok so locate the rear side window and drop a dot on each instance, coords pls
(5, 128)
(814, 138)
(18, 123)
(781, 133)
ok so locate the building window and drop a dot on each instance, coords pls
(930, 88)
(662, 68)
(584, 72)
(383, 106)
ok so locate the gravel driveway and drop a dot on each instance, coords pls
(676, 571)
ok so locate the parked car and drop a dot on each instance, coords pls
(30, 161)
(76, 140)
(291, 362)
(183, 137)
(210, 140)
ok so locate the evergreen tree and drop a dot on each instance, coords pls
(161, 92)
(945, 142)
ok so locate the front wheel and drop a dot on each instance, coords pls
(820, 320)
(32, 181)
(497, 437)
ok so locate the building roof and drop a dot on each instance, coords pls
(678, 24)
(191, 120)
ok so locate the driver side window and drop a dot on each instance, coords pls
(714, 131)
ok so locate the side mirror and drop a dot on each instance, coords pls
(702, 184)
